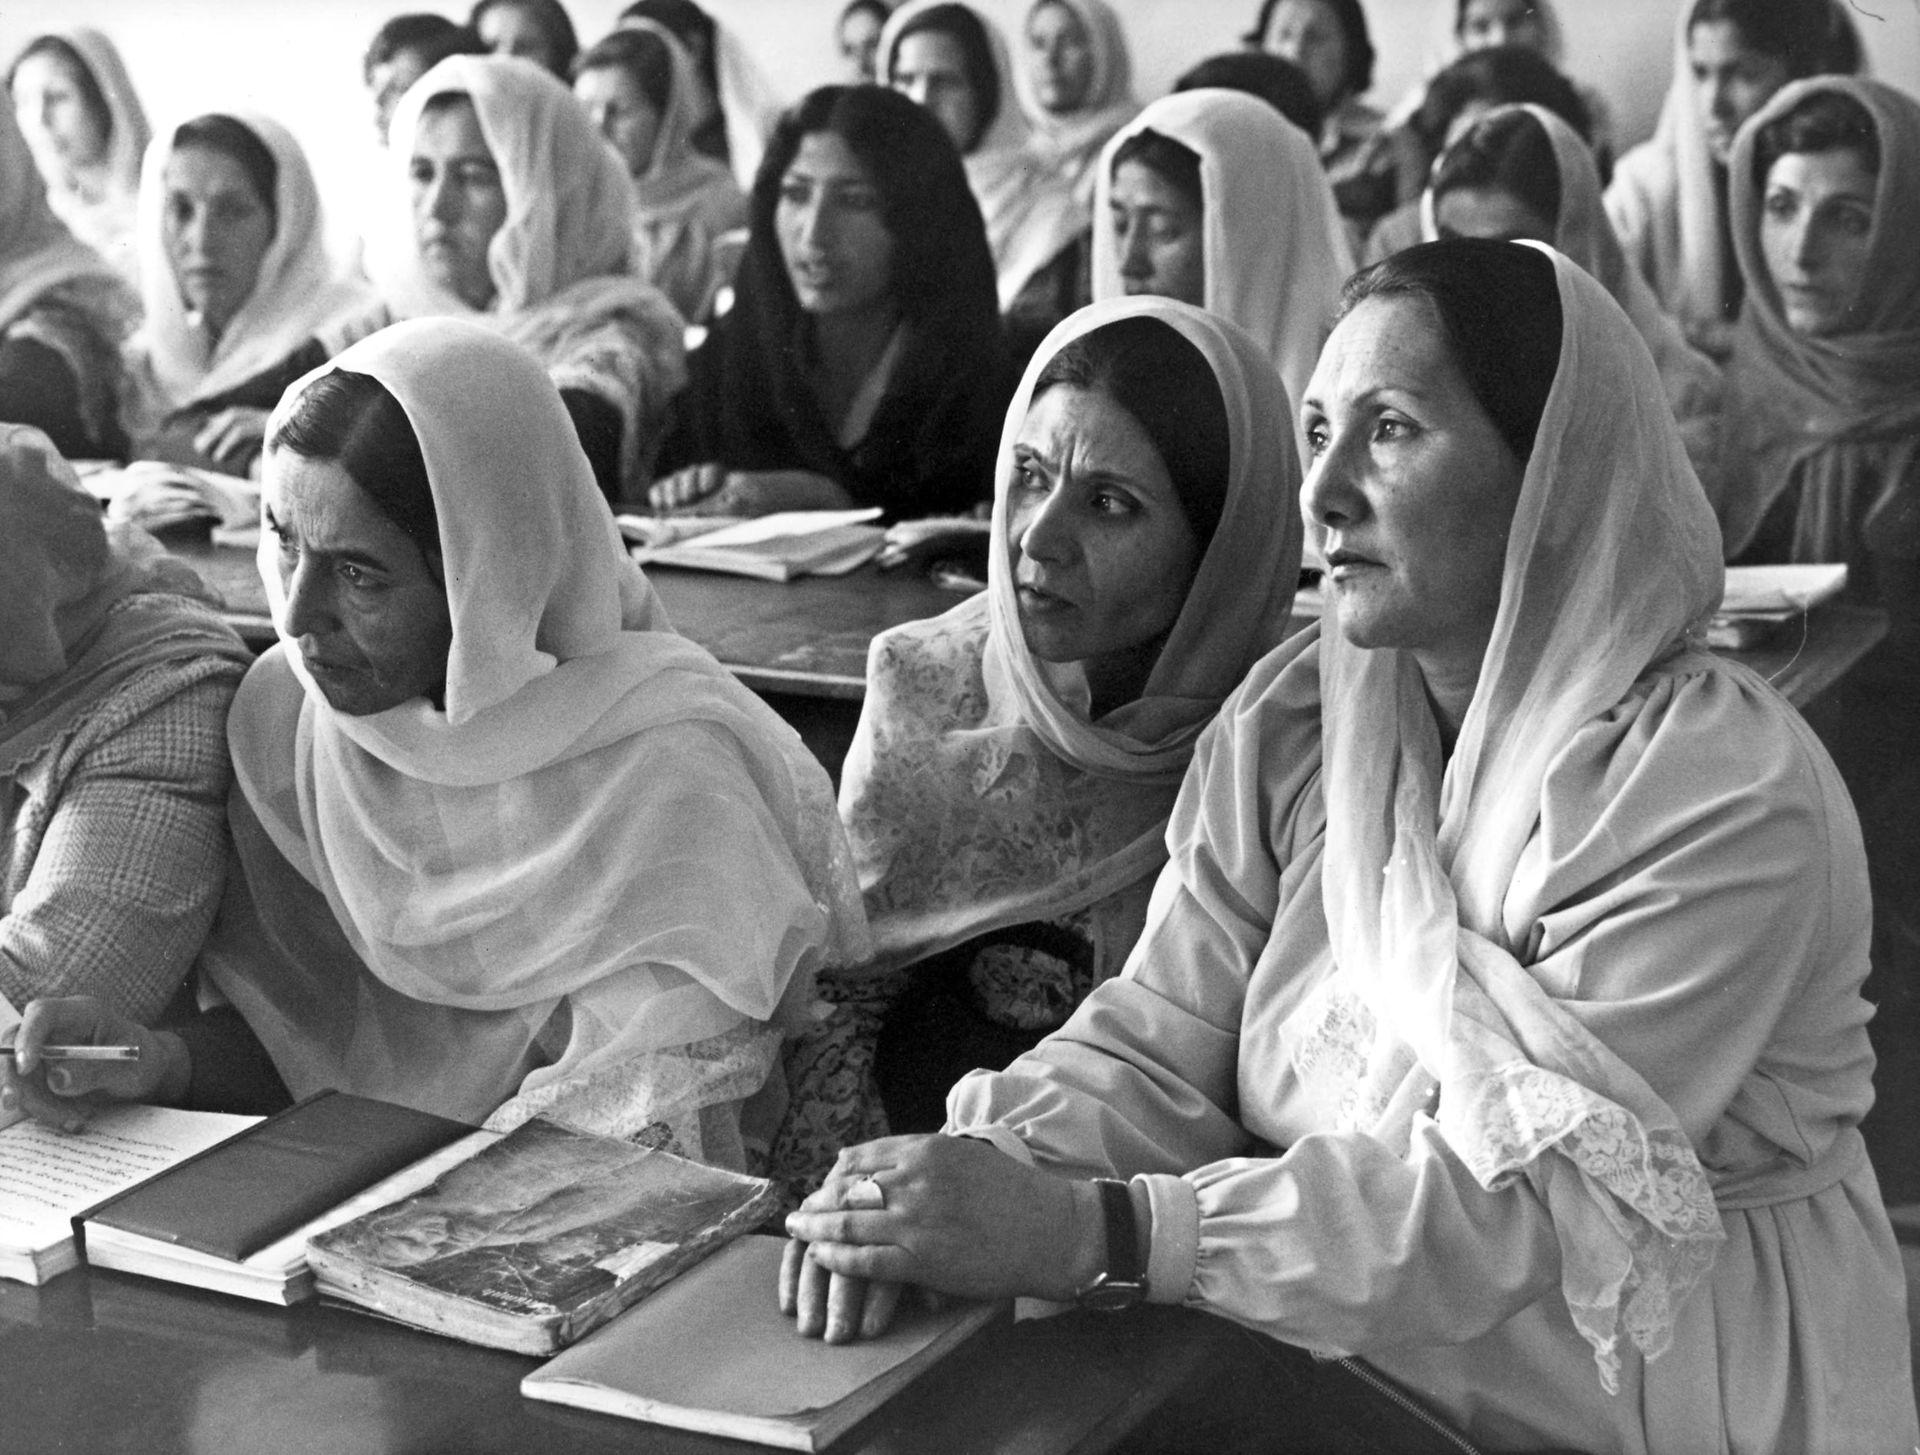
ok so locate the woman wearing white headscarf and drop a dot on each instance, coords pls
(239, 286)
(640, 88)
(1522, 171)
(1272, 249)
(1668, 196)
(510, 209)
(1076, 87)
(115, 676)
(1497, 1019)
(64, 314)
(1031, 213)
(1006, 802)
(506, 842)
(80, 112)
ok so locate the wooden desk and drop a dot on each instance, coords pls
(97, 1362)
(803, 638)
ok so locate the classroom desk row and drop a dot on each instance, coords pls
(96, 1362)
(808, 639)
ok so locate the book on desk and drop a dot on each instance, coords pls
(712, 1352)
(541, 1236)
(777, 547)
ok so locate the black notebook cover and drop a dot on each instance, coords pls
(253, 1189)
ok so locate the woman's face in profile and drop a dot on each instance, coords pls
(216, 228)
(1491, 212)
(55, 115)
(1060, 52)
(930, 68)
(1100, 545)
(459, 200)
(370, 621)
(1410, 487)
(1307, 33)
(1158, 235)
(833, 236)
(1816, 221)
(620, 112)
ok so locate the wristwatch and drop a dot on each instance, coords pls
(1124, 1283)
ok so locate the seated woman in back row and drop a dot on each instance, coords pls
(64, 315)
(242, 295)
(642, 93)
(861, 361)
(505, 843)
(514, 211)
(1212, 198)
(1498, 1015)
(1522, 172)
(1008, 787)
(115, 676)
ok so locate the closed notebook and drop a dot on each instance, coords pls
(252, 1190)
(712, 1352)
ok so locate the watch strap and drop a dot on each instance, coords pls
(1123, 1232)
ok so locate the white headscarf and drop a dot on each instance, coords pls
(1276, 249)
(561, 263)
(37, 253)
(100, 207)
(685, 199)
(1030, 212)
(978, 792)
(300, 289)
(1612, 563)
(601, 815)
(1583, 232)
(1070, 144)
(569, 200)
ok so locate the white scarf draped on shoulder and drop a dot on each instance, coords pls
(978, 792)
(300, 289)
(602, 849)
(1613, 563)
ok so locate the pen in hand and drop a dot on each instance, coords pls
(81, 1053)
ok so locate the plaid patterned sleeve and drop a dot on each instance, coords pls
(115, 842)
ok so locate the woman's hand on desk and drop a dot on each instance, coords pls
(959, 1217)
(233, 438)
(63, 1094)
(713, 489)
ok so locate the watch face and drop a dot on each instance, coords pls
(1110, 1295)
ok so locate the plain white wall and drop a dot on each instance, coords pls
(299, 60)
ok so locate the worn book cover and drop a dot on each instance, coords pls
(538, 1238)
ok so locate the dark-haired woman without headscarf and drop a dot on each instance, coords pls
(1008, 789)
(240, 289)
(861, 361)
(1497, 1022)
(1668, 196)
(640, 89)
(76, 104)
